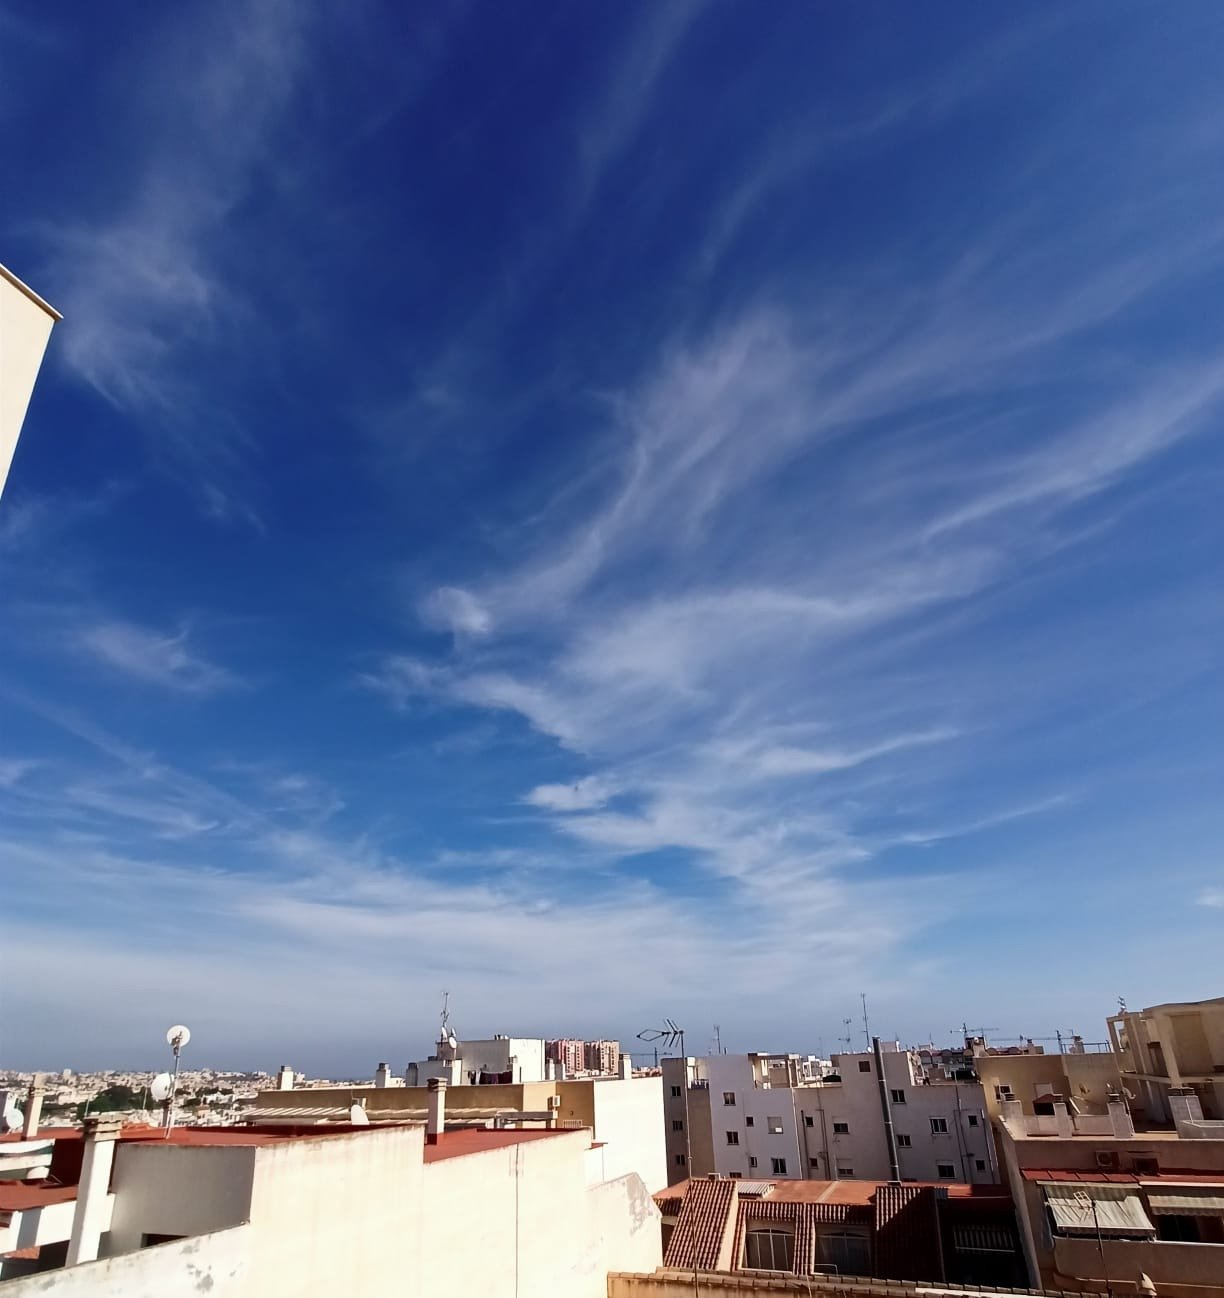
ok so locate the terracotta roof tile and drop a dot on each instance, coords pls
(705, 1216)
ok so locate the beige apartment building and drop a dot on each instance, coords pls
(25, 328)
(1168, 1047)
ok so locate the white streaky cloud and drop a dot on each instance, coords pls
(457, 611)
(584, 794)
(155, 658)
(763, 760)
(1213, 898)
(144, 283)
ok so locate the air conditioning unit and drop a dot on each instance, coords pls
(1145, 1165)
(554, 1101)
(1108, 1160)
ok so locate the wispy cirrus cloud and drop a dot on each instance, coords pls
(155, 658)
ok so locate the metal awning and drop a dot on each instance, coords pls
(1119, 1210)
(1187, 1203)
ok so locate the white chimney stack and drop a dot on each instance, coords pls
(284, 1079)
(92, 1214)
(435, 1121)
(33, 1108)
(382, 1077)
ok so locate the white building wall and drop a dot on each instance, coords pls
(629, 1125)
(25, 327)
(862, 1151)
(522, 1221)
(735, 1075)
(214, 1265)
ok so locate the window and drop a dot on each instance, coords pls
(897, 1097)
(844, 1169)
(769, 1249)
(813, 1162)
(903, 1141)
(939, 1126)
(973, 1119)
(981, 1164)
(728, 1097)
(680, 1160)
(841, 1128)
(751, 1161)
(808, 1120)
(947, 1171)
(848, 1252)
(736, 1176)
(732, 1137)
(779, 1166)
(774, 1125)
(749, 1121)
(677, 1124)
(676, 1092)
(864, 1065)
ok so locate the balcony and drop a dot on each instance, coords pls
(1167, 1263)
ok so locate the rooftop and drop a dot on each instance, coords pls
(846, 1191)
(456, 1144)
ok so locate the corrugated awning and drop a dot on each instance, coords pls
(1187, 1203)
(1118, 1209)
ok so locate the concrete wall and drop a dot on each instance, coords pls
(522, 1221)
(25, 327)
(1177, 1270)
(214, 1265)
(339, 1215)
(629, 1124)
(165, 1189)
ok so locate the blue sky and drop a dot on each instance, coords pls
(615, 511)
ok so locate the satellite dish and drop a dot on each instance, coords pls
(161, 1087)
(452, 1041)
(358, 1116)
(12, 1118)
(177, 1037)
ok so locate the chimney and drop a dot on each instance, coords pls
(435, 1121)
(284, 1079)
(624, 1068)
(382, 1077)
(33, 1108)
(91, 1217)
(1120, 1118)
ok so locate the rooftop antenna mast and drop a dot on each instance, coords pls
(866, 1025)
(718, 1045)
(847, 1039)
(670, 1035)
(176, 1038)
(445, 1034)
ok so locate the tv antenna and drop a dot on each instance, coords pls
(866, 1025)
(669, 1036)
(848, 1039)
(445, 1033)
(176, 1038)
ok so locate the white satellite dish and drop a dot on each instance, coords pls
(358, 1116)
(12, 1118)
(161, 1087)
(452, 1041)
(177, 1037)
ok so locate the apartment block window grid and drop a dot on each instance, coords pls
(903, 1141)
(779, 1166)
(947, 1171)
(841, 1128)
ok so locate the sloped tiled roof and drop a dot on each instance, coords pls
(705, 1216)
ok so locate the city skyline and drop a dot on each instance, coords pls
(631, 512)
